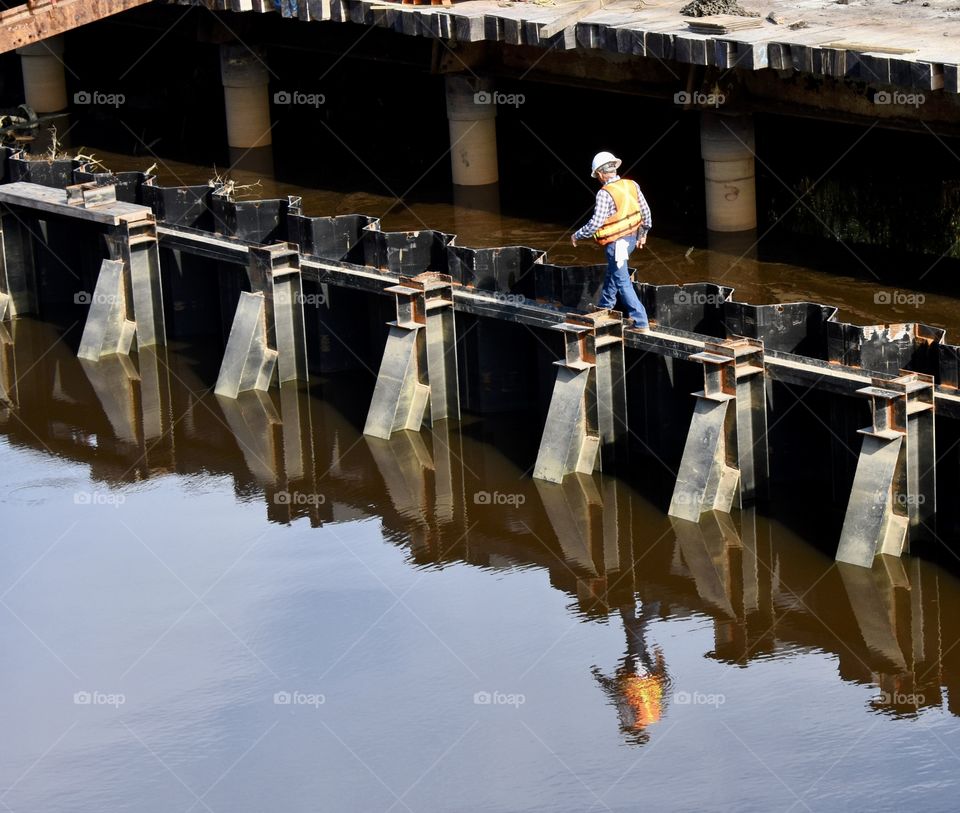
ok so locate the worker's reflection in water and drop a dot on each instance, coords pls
(638, 688)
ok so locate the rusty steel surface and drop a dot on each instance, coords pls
(40, 19)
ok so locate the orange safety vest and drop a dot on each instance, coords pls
(627, 217)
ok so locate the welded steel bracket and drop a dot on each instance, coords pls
(417, 380)
(135, 245)
(108, 330)
(894, 488)
(248, 361)
(268, 330)
(724, 462)
(8, 371)
(588, 409)
(127, 301)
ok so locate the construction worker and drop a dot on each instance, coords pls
(620, 223)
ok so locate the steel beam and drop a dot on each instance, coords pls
(268, 331)
(135, 245)
(127, 301)
(417, 380)
(724, 462)
(248, 361)
(894, 488)
(108, 330)
(589, 405)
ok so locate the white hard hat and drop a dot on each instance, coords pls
(602, 159)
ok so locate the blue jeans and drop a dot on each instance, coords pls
(617, 281)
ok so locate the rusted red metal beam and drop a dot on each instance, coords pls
(39, 19)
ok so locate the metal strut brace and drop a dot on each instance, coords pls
(417, 380)
(894, 489)
(724, 462)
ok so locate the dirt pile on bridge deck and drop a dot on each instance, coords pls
(707, 8)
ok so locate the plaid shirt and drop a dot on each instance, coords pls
(606, 207)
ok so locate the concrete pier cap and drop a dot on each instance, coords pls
(44, 77)
(727, 146)
(246, 96)
(471, 113)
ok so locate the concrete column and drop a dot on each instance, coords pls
(472, 113)
(44, 79)
(247, 103)
(727, 146)
(472, 116)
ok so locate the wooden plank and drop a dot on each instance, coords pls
(54, 201)
(571, 18)
(867, 47)
(23, 25)
(533, 21)
(722, 24)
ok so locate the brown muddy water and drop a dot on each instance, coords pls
(247, 605)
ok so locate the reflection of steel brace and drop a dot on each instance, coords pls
(418, 374)
(268, 329)
(8, 370)
(894, 489)
(588, 409)
(725, 457)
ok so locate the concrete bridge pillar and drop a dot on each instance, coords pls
(44, 79)
(246, 101)
(727, 146)
(472, 113)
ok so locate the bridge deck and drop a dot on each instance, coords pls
(883, 43)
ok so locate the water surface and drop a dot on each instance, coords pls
(200, 610)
